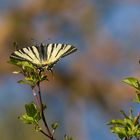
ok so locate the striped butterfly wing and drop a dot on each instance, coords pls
(57, 51)
(29, 54)
(43, 55)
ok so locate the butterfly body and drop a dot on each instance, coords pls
(43, 56)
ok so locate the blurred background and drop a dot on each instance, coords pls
(87, 90)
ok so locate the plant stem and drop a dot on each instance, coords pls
(137, 119)
(126, 138)
(43, 116)
(45, 134)
(37, 101)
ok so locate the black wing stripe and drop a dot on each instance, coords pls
(45, 53)
(20, 54)
(60, 50)
(34, 53)
(35, 48)
(52, 48)
(69, 51)
(26, 54)
(14, 56)
(65, 46)
(43, 50)
(39, 51)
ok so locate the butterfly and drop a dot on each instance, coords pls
(43, 56)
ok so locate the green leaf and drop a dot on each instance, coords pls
(137, 100)
(21, 64)
(44, 107)
(128, 128)
(128, 123)
(31, 109)
(119, 131)
(37, 117)
(44, 78)
(32, 73)
(23, 82)
(32, 115)
(67, 137)
(117, 122)
(131, 113)
(26, 119)
(124, 114)
(132, 82)
(54, 125)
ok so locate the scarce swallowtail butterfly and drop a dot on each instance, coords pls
(43, 56)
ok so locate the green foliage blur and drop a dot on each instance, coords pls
(129, 127)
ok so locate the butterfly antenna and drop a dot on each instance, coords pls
(51, 70)
(15, 45)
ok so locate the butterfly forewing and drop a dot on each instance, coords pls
(57, 51)
(35, 52)
(29, 54)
